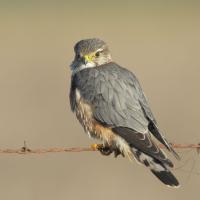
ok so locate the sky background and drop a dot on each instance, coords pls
(158, 40)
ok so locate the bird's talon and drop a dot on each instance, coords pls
(104, 150)
(96, 147)
(117, 152)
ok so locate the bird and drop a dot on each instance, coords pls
(110, 104)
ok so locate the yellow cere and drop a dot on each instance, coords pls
(90, 57)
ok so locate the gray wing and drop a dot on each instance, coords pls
(117, 100)
(152, 126)
(120, 103)
(111, 92)
(143, 143)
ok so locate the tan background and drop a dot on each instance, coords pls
(158, 40)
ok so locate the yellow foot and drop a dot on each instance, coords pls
(104, 150)
(96, 147)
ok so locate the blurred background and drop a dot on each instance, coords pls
(158, 40)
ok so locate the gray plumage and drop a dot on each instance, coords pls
(90, 45)
(112, 92)
(118, 102)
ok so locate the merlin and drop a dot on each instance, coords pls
(110, 105)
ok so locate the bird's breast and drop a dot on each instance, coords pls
(84, 114)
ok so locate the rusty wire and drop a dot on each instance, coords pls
(26, 150)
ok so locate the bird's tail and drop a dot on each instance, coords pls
(159, 169)
(166, 177)
(155, 131)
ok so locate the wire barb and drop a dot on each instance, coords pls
(24, 150)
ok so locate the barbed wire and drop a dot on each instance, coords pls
(25, 150)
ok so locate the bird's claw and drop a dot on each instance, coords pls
(95, 147)
(117, 152)
(106, 150)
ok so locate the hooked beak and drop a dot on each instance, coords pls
(86, 59)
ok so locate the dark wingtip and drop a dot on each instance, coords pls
(167, 178)
(175, 154)
(171, 149)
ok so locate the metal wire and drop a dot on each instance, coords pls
(24, 150)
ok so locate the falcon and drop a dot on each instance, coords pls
(110, 105)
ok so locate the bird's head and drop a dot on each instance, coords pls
(90, 53)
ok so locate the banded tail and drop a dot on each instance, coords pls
(159, 169)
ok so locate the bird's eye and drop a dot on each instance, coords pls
(78, 56)
(97, 54)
